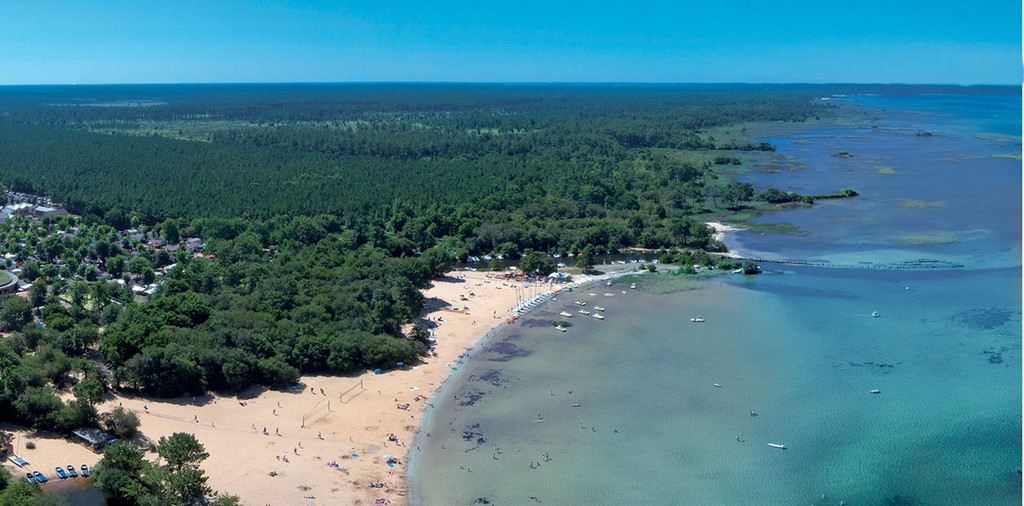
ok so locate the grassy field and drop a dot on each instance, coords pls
(5, 277)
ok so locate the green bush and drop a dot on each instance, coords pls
(727, 265)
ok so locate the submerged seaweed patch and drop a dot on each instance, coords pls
(884, 368)
(994, 357)
(492, 376)
(673, 285)
(929, 238)
(535, 323)
(921, 204)
(470, 397)
(899, 500)
(998, 137)
(782, 228)
(984, 319)
(474, 435)
(503, 351)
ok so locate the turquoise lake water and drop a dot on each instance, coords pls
(644, 422)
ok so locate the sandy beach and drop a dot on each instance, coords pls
(327, 441)
(720, 230)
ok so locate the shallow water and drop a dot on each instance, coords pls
(76, 491)
(948, 196)
(797, 345)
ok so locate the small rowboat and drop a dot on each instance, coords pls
(777, 445)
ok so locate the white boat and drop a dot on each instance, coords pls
(874, 314)
(698, 319)
(876, 391)
(777, 445)
(633, 286)
(566, 314)
(560, 329)
(598, 308)
(599, 316)
(584, 311)
(609, 283)
(580, 303)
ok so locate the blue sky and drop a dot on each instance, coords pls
(140, 41)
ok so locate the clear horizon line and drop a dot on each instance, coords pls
(525, 83)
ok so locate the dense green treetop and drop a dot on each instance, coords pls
(560, 151)
(322, 212)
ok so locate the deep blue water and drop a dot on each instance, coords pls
(797, 345)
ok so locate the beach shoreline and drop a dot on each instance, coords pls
(582, 281)
(721, 229)
(327, 441)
